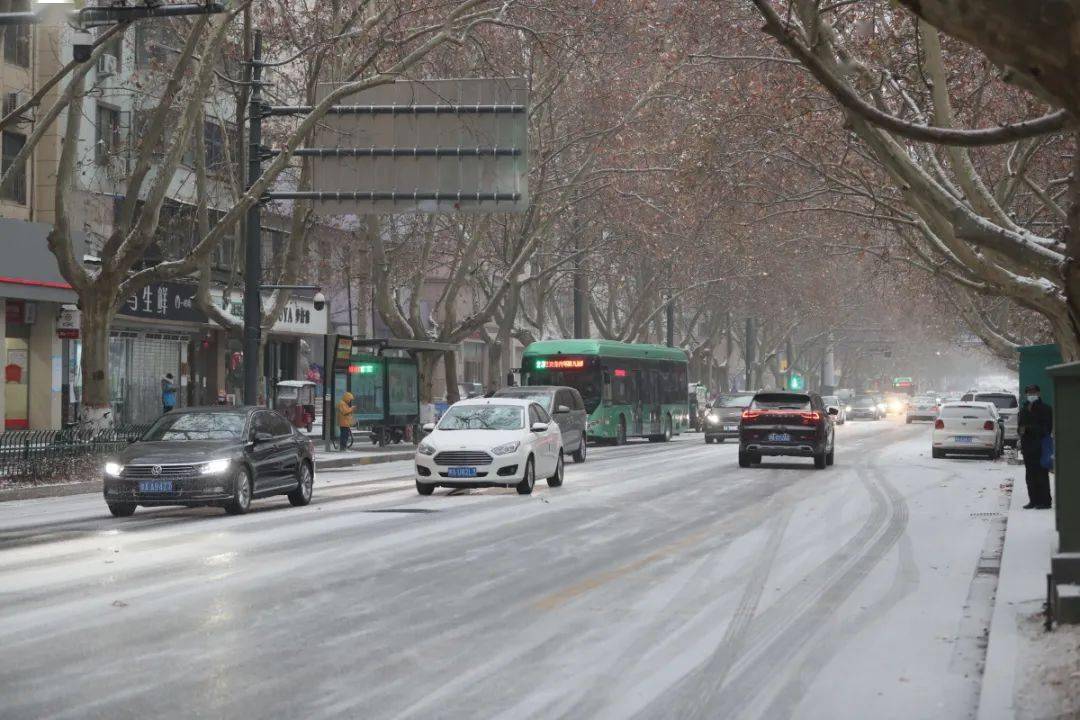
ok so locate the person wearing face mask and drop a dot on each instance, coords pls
(1036, 422)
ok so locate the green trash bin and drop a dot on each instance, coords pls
(1065, 380)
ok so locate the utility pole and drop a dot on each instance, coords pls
(789, 355)
(581, 309)
(253, 241)
(670, 320)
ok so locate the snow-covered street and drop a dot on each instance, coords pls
(661, 581)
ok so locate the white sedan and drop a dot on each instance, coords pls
(968, 428)
(490, 442)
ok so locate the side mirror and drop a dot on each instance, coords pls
(428, 427)
(539, 427)
(261, 437)
(833, 410)
(562, 409)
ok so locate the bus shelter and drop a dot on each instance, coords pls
(383, 375)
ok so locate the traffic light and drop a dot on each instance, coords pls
(796, 382)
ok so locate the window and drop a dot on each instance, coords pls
(108, 138)
(264, 423)
(114, 47)
(16, 189)
(279, 426)
(473, 356)
(197, 426)
(214, 138)
(482, 417)
(562, 397)
(16, 38)
(541, 414)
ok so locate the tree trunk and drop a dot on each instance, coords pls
(426, 368)
(451, 371)
(96, 410)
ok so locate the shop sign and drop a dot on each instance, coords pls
(68, 322)
(298, 317)
(164, 301)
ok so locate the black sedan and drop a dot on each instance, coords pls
(219, 456)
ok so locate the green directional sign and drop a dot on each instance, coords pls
(796, 382)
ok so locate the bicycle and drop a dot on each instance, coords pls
(335, 439)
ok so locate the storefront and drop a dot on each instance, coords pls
(32, 292)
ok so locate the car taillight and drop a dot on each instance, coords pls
(811, 418)
(939, 424)
(751, 414)
(988, 425)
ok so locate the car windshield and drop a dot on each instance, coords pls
(781, 401)
(965, 411)
(739, 401)
(830, 400)
(483, 417)
(1003, 401)
(864, 402)
(188, 426)
(925, 400)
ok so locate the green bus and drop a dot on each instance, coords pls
(630, 390)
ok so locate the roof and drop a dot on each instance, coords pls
(219, 409)
(523, 402)
(533, 389)
(294, 383)
(606, 348)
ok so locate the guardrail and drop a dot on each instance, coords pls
(61, 455)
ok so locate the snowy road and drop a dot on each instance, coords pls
(661, 581)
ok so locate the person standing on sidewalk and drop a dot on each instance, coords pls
(1036, 421)
(345, 420)
(168, 393)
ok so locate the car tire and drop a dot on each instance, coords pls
(744, 459)
(719, 440)
(620, 433)
(556, 480)
(820, 460)
(830, 457)
(305, 485)
(755, 458)
(424, 488)
(122, 509)
(525, 487)
(937, 454)
(582, 453)
(708, 440)
(241, 499)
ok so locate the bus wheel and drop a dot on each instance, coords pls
(620, 434)
(666, 437)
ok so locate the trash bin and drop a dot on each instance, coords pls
(1066, 393)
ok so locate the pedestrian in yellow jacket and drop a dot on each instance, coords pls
(345, 420)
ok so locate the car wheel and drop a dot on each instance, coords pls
(755, 458)
(720, 440)
(620, 434)
(424, 488)
(937, 454)
(122, 509)
(708, 440)
(744, 459)
(241, 499)
(820, 460)
(305, 481)
(582, 452)
(525, 487)
(556, 480)
(830, 457)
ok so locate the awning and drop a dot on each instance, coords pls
(30, 270)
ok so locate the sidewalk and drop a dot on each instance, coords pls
(1029, 673)
(361, 453)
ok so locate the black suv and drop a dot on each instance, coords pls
(787, 423)
(564, 404)
(221, 456)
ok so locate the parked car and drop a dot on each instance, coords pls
(968, 428)
(222, 456)
(1008, 408)
(841, 408)
(865, 407)
(490, 442)
(923, 407)
(565, 405)
(723, 418)
(787, 424)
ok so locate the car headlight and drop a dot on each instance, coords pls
(425, 449)
(113, 469)
(847, 408)
(506, 448)
(215, 467)
(714, 418)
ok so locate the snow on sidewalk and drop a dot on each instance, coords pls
(1029, 673)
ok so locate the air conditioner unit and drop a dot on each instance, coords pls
(13, 101)
(106, 66)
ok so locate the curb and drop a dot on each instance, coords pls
(86, 487)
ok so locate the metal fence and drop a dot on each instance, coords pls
(61, 455)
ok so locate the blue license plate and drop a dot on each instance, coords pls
(964, 439)
(155, 486)
(462, 472)
(779, 437)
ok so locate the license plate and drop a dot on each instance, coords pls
(155, 486)
(462, 472)
(779, 437)
(731, 428)
(962, 439)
